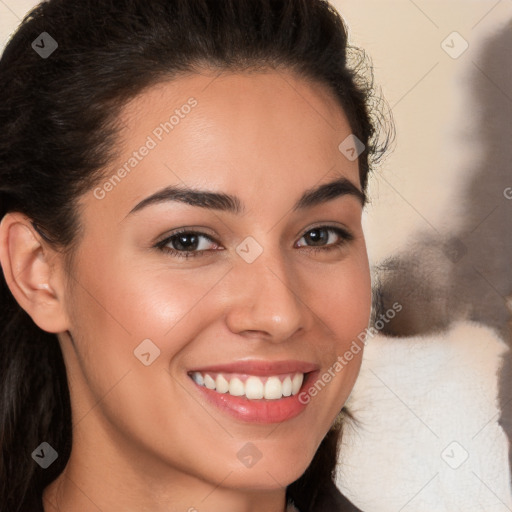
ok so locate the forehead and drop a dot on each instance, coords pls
(243, 133)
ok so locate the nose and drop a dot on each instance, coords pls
(266, 300)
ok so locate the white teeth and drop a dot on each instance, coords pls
(221, 384)
(209, 382)
(273, 388)
(198, 378)
(297, 382)
(287, 386)
(236, 387)
(254, 388)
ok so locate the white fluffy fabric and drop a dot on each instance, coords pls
(429, 438)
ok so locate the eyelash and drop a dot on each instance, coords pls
(344, 235)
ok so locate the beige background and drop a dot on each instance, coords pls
(427, 91)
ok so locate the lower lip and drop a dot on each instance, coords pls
(262, 410)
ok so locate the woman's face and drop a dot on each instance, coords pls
(272, 286)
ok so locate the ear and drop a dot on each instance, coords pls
(34, 272)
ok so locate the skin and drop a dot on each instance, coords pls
(143, 438)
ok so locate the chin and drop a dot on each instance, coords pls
(273, 474)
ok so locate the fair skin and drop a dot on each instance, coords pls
(144, 439)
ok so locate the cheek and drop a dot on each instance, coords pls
(115, 307)
(134, 301)
(341, 298)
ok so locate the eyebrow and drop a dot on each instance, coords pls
(229, 203)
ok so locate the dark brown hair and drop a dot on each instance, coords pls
(59, 125)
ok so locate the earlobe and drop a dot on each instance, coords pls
(32, 272)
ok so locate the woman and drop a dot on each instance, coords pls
(185, 279)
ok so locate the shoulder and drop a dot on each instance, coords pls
(333, 501)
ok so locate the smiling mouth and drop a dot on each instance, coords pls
(252, 387)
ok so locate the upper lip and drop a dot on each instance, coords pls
(260, 367)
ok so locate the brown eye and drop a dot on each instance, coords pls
(186, 244)
(318, 236)
(326, 237)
